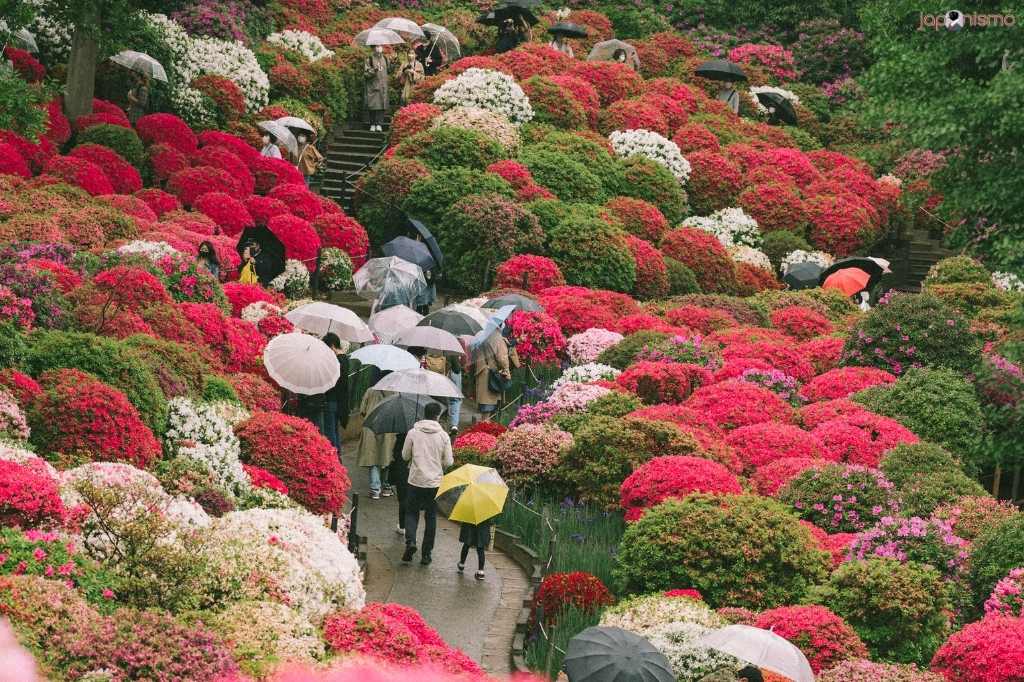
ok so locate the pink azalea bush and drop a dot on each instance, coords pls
(1007, 598)
(990, 650)
(926, 541)
(530, 450)
(584, 347)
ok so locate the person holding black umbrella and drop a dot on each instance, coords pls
(261, 262)
(731, 98)
(560, 43)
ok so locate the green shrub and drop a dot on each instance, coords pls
(912, 330)
(906, 462)
(550, 105)
(593, 253)
(635, 22)
(896, 608)
(614, 404)
(431, 197)
(607, 449)
(937, 405)
(803, 140)
(821, 496)
(22, 105)
(217, 388)
(736, 550)
(681, 279)
(122, 140)
(778, 244)
(958, 270)
(112, 362)
(997, 550)
(829, 302)
(968, 298)
(12, 346)
(549, 213)
(622, 354)
(570, 180)
(379, 195)
(922, 495)
(652, 182)
(448, 147)
(171, 363)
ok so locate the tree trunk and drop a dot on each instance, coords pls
(997, 480)
(81, 82)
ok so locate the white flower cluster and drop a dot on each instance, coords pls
(584, 374)
(732, 227)
(1007, 281)
(748, 254)
(154, 251)
(197, 432)
(306, 44)
(486, 89)
(233, 413)
(192, 106)
(255, 312)
(800, 256)
(312, 569)
(891, 179)
(689, 660)
(294, 281)
(52, 37)
(651, 145)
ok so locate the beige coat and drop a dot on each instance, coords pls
(374, 449)
(428, 450)
(495, 355)
(310, 159)
(410, 75)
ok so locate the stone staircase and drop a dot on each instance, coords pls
(352, 150)
(911, 257)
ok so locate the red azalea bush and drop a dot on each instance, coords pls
(262, 209)
(191, 183)
(777, 60)
(651, 273)
(271, 172)
(675, 113)
(735, 403)
(818, 413)
(532, 59)
(261, 478)
(640, 218)
(775, 206)
(701, 426)
(538, 337)
(98, 118)
(779, 355)
(132, 206)
(299, 200)
(240, 295)
(58, 128)
(663, 382)
(687, 592)
(771, 477)
(301, 242)
(694, 137)
(12, 162)
(236, 342)
(165, 161)
(714, 182)
(493, 428)
(411, 119)
(530, 273)
(581, 590)
(630, 324)
(703, 320)
(862, 437)
(128, 287)
(825, 638)
(760, 444)
(673, 476)
(168, 129)
(76, 414)
(27, 66)
(229, 213)
(990, 650)
(217, 156)
(80, 173)
(477, 441)
(339, 231)
(844, 381)
(293, 450)
(23, 387)
(519, 176)
(612, 81)
(824, 352)
(372, 634)
(839, 224)
(158, 200)
(575, 316)
(801, 323)
(632, 114)
(704, 255)
(29, 496)
(255, 392)
(734, 368)
(123, 176)
(752, 279)
(553, 105)
(582, 91)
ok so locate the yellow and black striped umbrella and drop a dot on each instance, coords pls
(471, 494)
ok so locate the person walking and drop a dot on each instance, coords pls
(311, 407)
(494, 364)
(412, 73)
(375, 449)
(336, 407)
(375, 71)
(270, 148)
(310, 158)
(474, 536)
(398, 476)
(207, 259)
(428, 450)
(138, 98)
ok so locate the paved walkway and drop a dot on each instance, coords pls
(477, 617)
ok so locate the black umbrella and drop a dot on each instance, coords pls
(429, 240)
(873, 268)
(803, 276)
(518, 4)
(608, 654)
(568, 29)
(410, 250)
(452, 321)
(498, 15)
(779, 108)
(524, 303)
(397, 413)
(721, 70)
(269, 244)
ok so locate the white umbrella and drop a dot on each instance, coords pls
(406, 28)
(476, 312)
(296, 123)
(432, 338)
(761, 648)
(377, 36)
(386, 357)
(320, 318)
(419, 381)
(142, 63)
(390, 321)
(883, 263)
(301, 363)
(283, 135)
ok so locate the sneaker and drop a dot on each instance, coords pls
(425, 560)
(410, 550)
(399, 530)
(374, 495)
(460, 568)
(387, 492)
(479, 575)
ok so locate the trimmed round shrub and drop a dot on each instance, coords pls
(991, 650)
(925, 541)
(29, 496)
(530, 451)
(995, 552)
(641, 178)
(904, 463)
(841, 497)
(607, 449)
(553, 105)
(558, 591)
(740, 550)
(651, 273)
(958, 270)
(800, 322)
(714, 182)
(778, 244)
(736, 403)
(844, 381)
(570, 180)
(771, 477)
(122, 140)
(777, 206)
(760, 444)
(976, 514)
(673, 477)
(681, 279)
(704, 255)
(430, 197)
(379, 194)
(923, 495)
(447, 147)
(593, 253)
(663, 382)
(861, 437)
(632, 114)
(821, 635)
(529, 273)
(640, 218)
(613, 81)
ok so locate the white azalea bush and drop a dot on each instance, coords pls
(255, 312)
(306, 44)
(335, 270)
(731, 226)
(752, 256)
(651, 145)
(486, 89)
(198, 433)
(1007, 281)
(586, 373)
(494, 125)
(819, 258)
(294, 281)
(53, 37)
(154, 251)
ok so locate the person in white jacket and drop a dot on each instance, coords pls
(428, 450)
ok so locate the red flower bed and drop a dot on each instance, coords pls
(839, 224)
(262, 209)
(123, 176)
(76, 414)
(771, 477)
(240, 295)
(533, 59)
(838, 545)
(736, 403)
(103, 106)
(782, 357)
(582, 91)
(169, 129)
(272, 172)
(818, 413)
(752, 279)
(27, 66)
(301, 242)
(229, 213)
(688, 593)
(775, 206)
(127, 288)
(81, 173)
(133, 206)
(538, 337)
(733, 368)
(631, 324)
(714, 182)
(777, 60)
(662, 478)
(694, 137)
(410, 120)
(236, 342)
(165, 161)
(793, 162)
(685, 418)
(519, 176)
(612, 81)
(530, 273)
(191, 183)
(476, 61)
(58, 128)
(198, 224)
(575, 316)
(675, 113)
(582, 590)
(823, 637)
(760, 444)
(35, 154)
(632, 114)
(990, 650)
(293, 450)
(342, 232)
(217, 156)
(299, 200)
(12, 162)
(475, 440)
(255, 392)
(29, 496)
(862, 437)
(372, 634)
(21, 386)
(824, 352)
(844, 381)
(663, 382)
(639, 218)
(704, 254)
(704, 320)
(800, 322)
(242, 149)
(651, 273)
(491, 428)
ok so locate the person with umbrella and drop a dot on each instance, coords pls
(375, 449)
(336, 406)
(311, 161)
(472, 495)
(375, 71)
(412, 72)
(270, 148)
(560, 43)
(259, 262)
(494, 362)
(138, 98)
(428, 450)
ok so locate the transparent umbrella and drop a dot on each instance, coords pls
(385, 357)
(419, 381)
(440, 36)
(23, 38)
(761, 648)
(377, 36)
(431, 338)
(406, 28)
(390, 281)
(141, 63)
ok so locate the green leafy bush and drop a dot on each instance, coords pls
(681, 279)
(430, 198)
(896, 608)
(823, 496)
(591, 252)
(12, 346)
(22, 105)
(778, 244)
(906, 462)
(217, 388)
(736, 550)
(614, 404)
(958, 270)
(122, 140)
(178, 370)
(449, 147)
(622, 354)
(379, 195)
(570, 180)
(968, 298)
(937, 405)
(922, 495)
(652, 182)
(995, 552)
(829, 302)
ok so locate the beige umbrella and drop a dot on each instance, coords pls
(283, 135)
(320, 318)
(431, 338)
(390, 321)
(301, 363)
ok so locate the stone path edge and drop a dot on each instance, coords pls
(528, 561)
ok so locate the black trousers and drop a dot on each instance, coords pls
(421, 500)
(479, 556)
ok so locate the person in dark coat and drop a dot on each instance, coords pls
(207, 259)
(262, 262)
(476, 536)
(398, 477)
(311, 407)
(336, 408)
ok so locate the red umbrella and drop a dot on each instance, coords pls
(848, 280)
